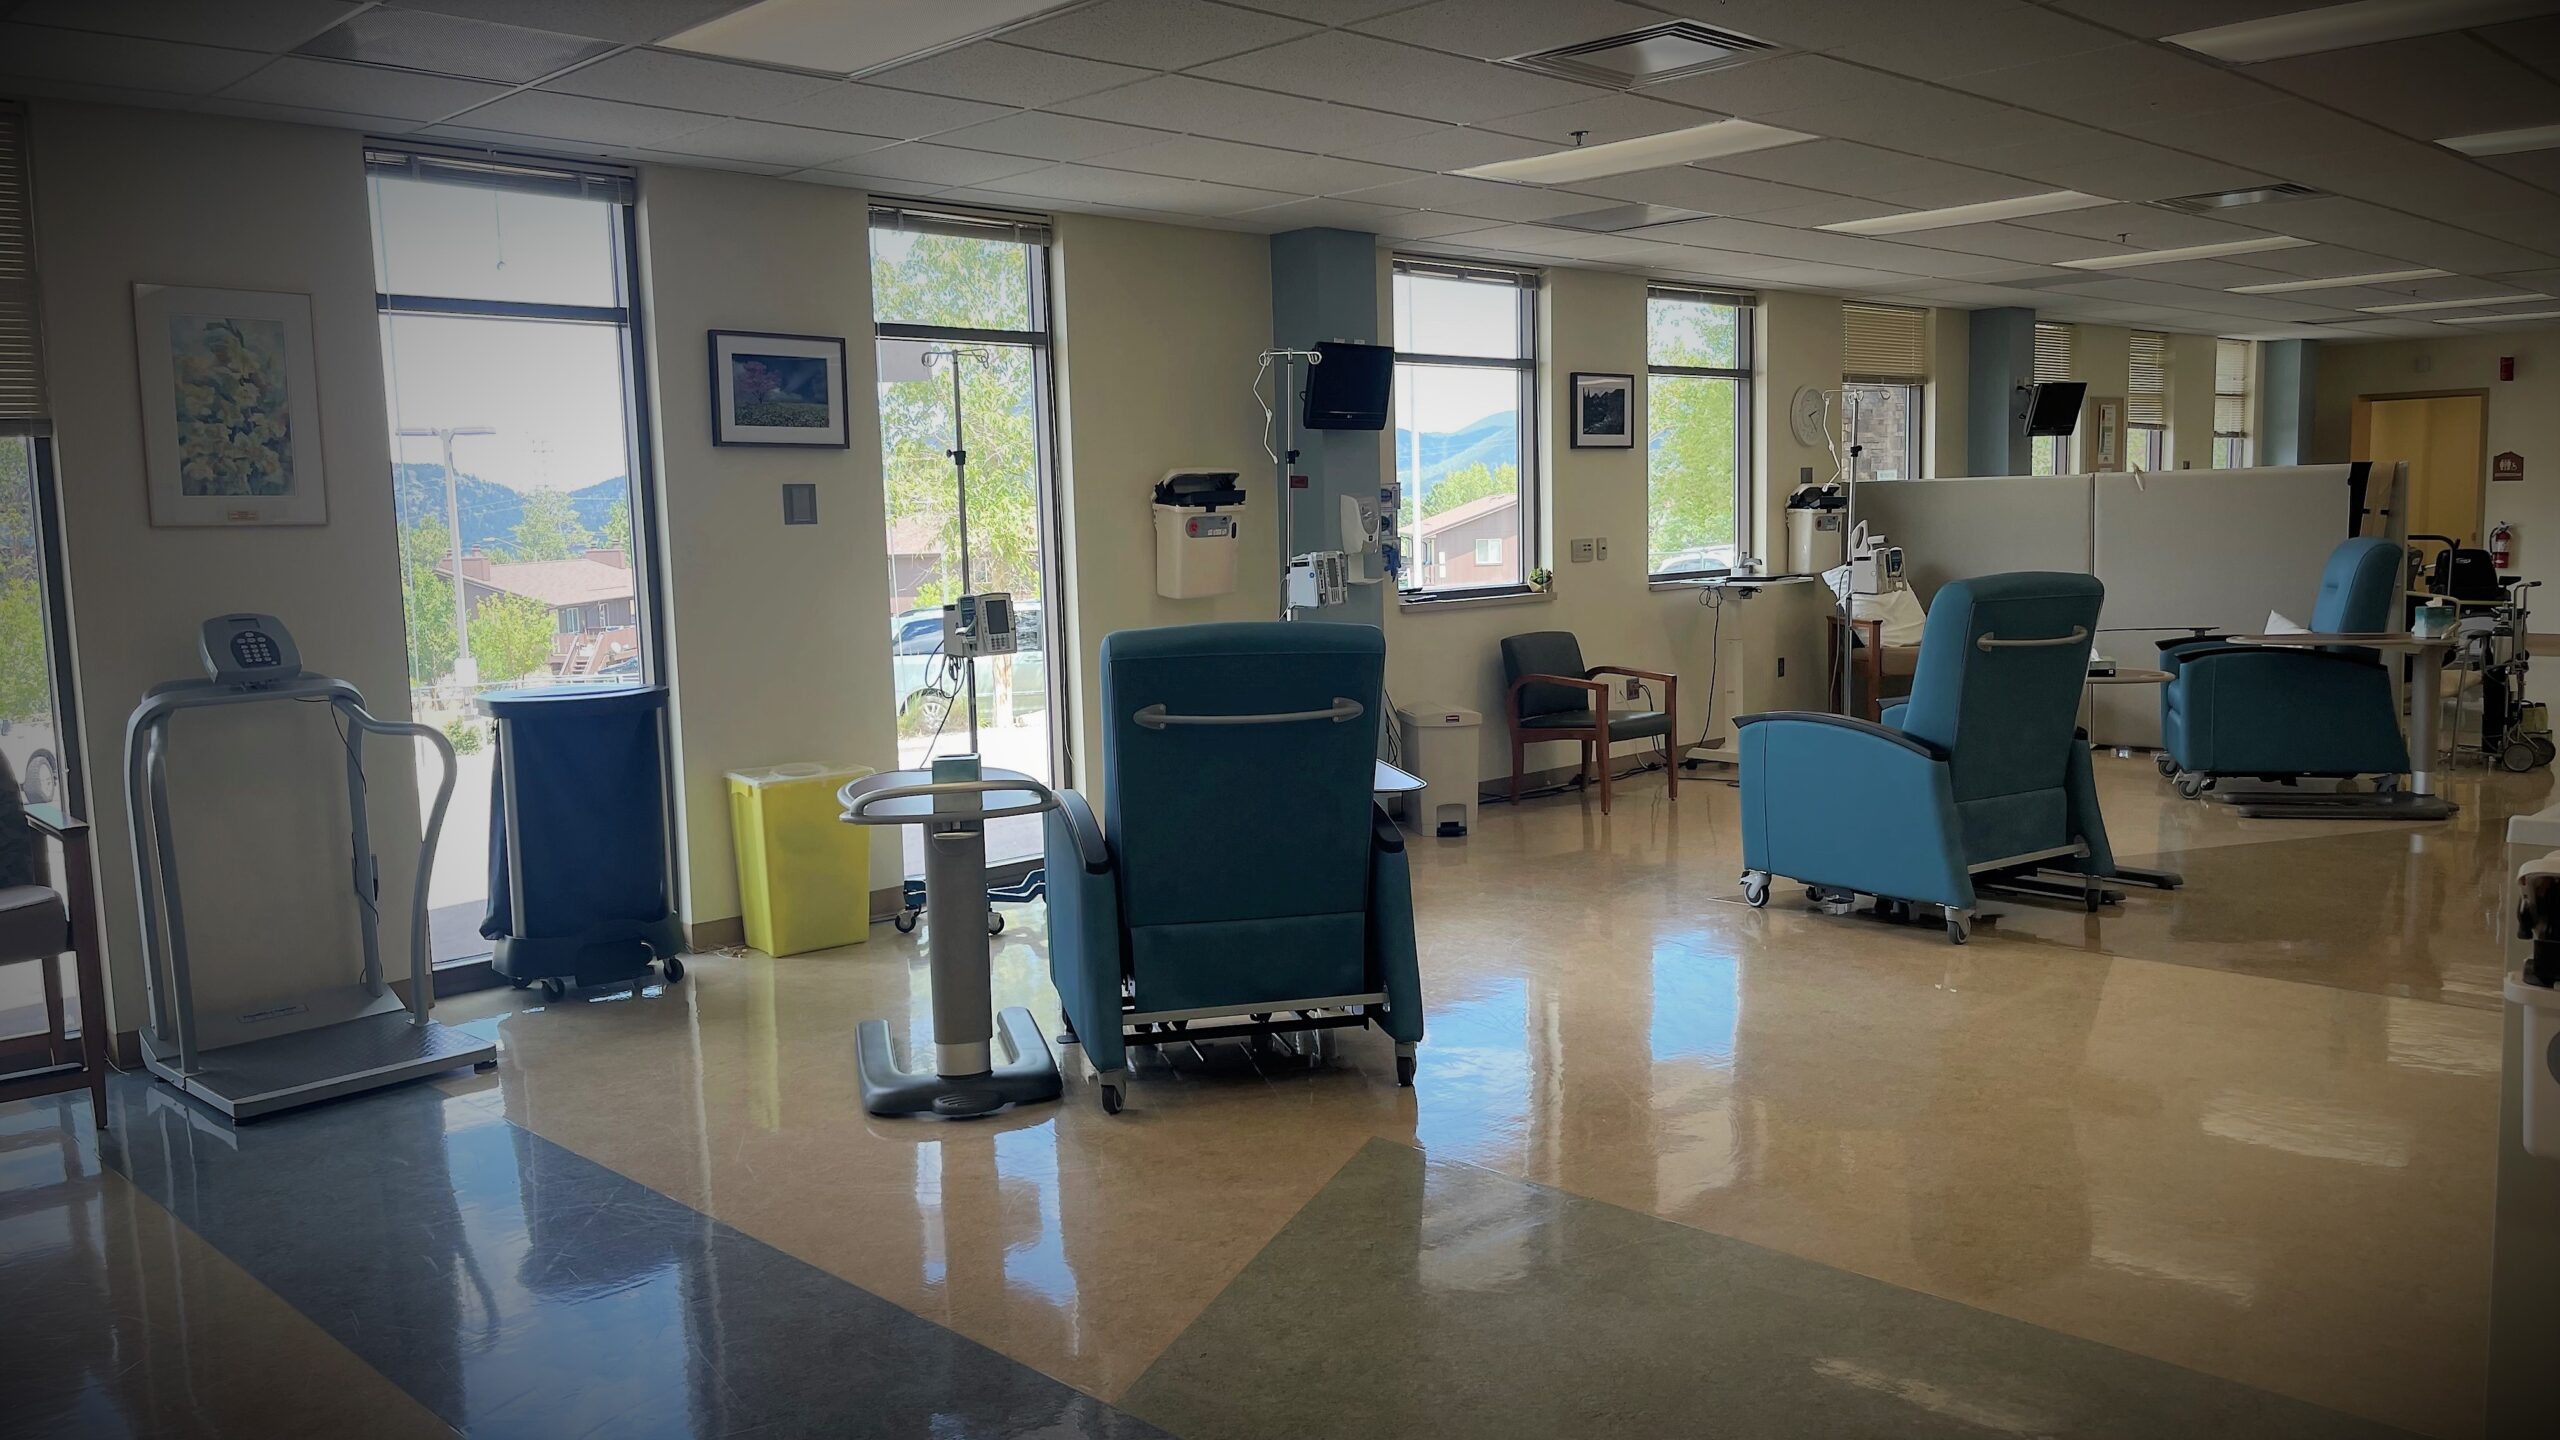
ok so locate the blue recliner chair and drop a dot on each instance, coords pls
(2278, 713)
(1982, 770)
(1242, 872)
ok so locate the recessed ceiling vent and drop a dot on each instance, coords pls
(1648, 56)
(1619, 219)
(2251, 195)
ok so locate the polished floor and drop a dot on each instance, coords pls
(2215, 1162)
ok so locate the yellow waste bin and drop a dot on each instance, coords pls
(804, 876)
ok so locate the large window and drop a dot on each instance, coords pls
(2146, 402)
(2052, 453)
(505, 300)
(960, 302)
(1466, 403)
(2230, 404)
(1884, 362)
(1697, 431)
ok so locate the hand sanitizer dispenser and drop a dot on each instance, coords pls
(1196, 533)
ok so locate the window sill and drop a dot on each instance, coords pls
(1471, 600)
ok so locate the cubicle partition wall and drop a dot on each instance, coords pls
(2177, 550)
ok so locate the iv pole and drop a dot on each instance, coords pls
(1283, 460)
(959, 453)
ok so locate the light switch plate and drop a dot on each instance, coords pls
(1600, 548)
(799, 504)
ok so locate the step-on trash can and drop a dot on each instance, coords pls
(804, 876)
(581, 875)
(1440, 747)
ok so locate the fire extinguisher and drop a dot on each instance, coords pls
(2502, 545)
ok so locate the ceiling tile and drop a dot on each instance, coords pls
(870, 110)
(1964, 37)
(1325, 12)
(1157, 34)
(1907, 115)
(1603, 118)
(1695, 189)
(1006, 75)
(2151, 19)
(1498, 29)
(2407, 238)
(1352, 215)
(1766, 86)
(765, 143)
(921, 162)
(2126, 85)
(1846, 167)
(1051, 137)
(1793, 22)
(2534, 167)
(690, 82)
(1448, 147)
(1490, 199)
(1357, 70)
(574, 117)
(241, 24)
(450, 45)
(304, 115)
(630, 22)
(1198, 157)
(705, 162)
(2429, 87)
(2017, 242)
(2271, 136)
(1829, 210)
(1203, 107)
(1167, 193)
(362, 89)
(2535, 42)
(83, 58)
(2140, 227)
(1428, 224)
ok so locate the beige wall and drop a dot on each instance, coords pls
(1950, 391)
(777, 636)
(152, 197)
(1159, 326)
(1796, 343)
(2523, 416)
(2191, 402)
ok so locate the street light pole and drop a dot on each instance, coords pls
(465, 668)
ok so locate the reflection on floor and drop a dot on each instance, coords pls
(2226, 1151)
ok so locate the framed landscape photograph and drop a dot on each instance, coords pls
(1604, 409)
(777, 389)
(230, 407)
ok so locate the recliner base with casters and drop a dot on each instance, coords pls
(1306, 1030)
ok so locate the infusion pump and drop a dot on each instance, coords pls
(975, 625)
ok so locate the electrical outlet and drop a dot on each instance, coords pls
(1635, 688)
(1600, 548)
(1782, 667)
(1582, 552)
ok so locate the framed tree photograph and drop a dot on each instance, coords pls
(777, 389)
(230, 407)
(1604, 411)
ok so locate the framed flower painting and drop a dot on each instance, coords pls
(230, 407)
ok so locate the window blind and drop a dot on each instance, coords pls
(964, 224)
(1883, 344)
(2053, 353)
(22, 399)
(499, 171)
(2231, 387)
(2146, 399)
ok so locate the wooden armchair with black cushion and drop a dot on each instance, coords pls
(39, 922)
(1554, 696)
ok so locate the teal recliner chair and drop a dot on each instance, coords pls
(1983, 770)
(1242, 881)
(2280, 713)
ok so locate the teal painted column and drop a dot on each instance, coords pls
(1324, 286)
(2000, 356)
(2288, 399)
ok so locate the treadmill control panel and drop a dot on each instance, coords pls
(250, 651)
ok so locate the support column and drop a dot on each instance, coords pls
(2001, 350)
(1324, 286)
(2288, 396)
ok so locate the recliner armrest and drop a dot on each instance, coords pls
(1885, 733)
(1078, 815)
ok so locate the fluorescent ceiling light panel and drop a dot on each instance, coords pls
(1645, 152)
(2337, 27)
(830, 35)
(2447, 304)
(2494, 319)
(2506, 142)
(2340, 282)
(2050, 203)
(2184, 252)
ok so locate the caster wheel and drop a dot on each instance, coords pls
(2091, 899)
(1110, 1099)
(2168, 767)
(1755, 891)
(2542, 747)
(906, 921)
(672, 968)
(553, 989)
(518, 984)
(1404, 1071)
(1958, 932)
(2517, 756)
(995, 923)
(2192, 786)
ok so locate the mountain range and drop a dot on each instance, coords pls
(490, 510)
(1490, 442)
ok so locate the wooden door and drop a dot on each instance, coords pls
(2444, 439)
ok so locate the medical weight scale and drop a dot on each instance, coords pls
(282, 1051)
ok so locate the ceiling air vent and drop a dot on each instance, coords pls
(1619, 219)
(1646, 57)
(2250, 195)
